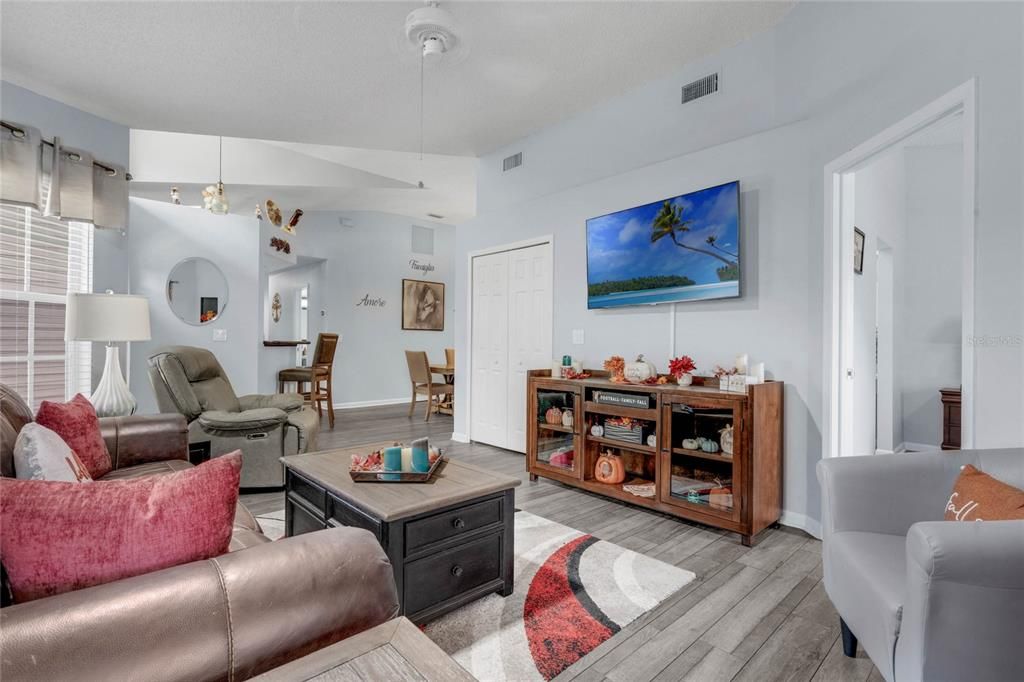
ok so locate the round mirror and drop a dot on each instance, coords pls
(197, 291)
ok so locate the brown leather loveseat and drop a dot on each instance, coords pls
(228, 618)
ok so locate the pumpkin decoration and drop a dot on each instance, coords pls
(726, 440)
(639, 371)
(597, 430)
(567, 419)
(691, 444)
(609, 468)
(709, 445)
(553, 416)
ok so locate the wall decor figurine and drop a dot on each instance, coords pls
(289, 227)
(858, 251)
(258, 213)
(422, 305)
(726, 440)
(275, 308)
(273, 213)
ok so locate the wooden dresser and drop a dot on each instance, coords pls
(950, 418)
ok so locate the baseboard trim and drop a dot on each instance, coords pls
(910, 446)
(802, 522)
(370, 403)
(459, 437)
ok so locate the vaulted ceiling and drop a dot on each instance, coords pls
(341, 73)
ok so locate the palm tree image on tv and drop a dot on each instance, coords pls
(681, 249)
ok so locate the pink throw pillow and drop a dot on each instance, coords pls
(75, 421)
(60, 536)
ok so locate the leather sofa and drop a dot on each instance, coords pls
(228, 618)
(191, 382)
(927, 599)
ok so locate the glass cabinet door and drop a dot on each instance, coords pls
(556, 426)
(701, 456)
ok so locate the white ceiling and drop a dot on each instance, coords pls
(340, 73)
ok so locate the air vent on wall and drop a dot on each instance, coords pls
(435, 216)
(699, 88)
(510, 162)
(422, 240)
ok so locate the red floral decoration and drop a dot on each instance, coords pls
(680, 366)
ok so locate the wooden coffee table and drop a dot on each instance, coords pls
(449, 541)
(395, 650)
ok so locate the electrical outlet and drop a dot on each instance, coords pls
(220, 334)
(577, 337)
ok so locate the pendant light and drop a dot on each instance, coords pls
(214, 198)
(423, 55)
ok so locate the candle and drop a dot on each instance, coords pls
(420, 458)
(392, 462)
(741, 363)
(758, 372)
(407, 459)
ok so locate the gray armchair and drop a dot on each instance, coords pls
(265, 428)
(927, 599)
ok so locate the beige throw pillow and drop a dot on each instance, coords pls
(41, 454)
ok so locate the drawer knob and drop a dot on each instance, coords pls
(458, 523)
(457, 571)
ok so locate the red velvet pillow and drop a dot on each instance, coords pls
(75, 421)
(59, 536)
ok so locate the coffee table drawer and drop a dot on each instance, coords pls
(450, 524)
(308, 491)
(438, 577)
(347, 515)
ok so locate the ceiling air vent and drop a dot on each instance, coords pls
(510, 162)
(701, 87)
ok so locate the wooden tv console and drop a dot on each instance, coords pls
(741, 492)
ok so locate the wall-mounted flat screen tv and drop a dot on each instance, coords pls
(686, 248)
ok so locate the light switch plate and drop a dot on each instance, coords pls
(220, 334)
(577, 337)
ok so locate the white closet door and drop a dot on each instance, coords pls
(489, 394)
(529, 330)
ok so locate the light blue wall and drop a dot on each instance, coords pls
(371, 256)
(108, 141)
(160, 236)
(841, 72)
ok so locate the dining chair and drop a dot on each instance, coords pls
(423, 381)
(449, 357)
(319, 375)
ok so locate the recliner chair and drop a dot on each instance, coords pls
(265, 428)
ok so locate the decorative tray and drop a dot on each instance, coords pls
(381, 476)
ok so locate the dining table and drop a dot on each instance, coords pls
(447, 404)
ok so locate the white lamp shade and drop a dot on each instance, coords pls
(106, 317)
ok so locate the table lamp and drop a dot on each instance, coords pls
(108, 317)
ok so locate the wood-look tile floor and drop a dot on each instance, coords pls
(756, 613)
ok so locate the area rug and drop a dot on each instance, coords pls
(572, 592)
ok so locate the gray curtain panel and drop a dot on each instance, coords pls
(20, 166)
(75, 185)
(52, 169)
(110, 197)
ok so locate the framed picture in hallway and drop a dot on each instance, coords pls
(422, 305)
(858, 251)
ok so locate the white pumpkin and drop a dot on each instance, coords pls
(639, 371)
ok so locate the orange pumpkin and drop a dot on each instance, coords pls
(609, 468)
(553, 416)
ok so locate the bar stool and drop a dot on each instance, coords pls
(318, 375)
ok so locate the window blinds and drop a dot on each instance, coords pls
(41, 261)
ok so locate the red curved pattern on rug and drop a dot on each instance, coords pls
(559, 629)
